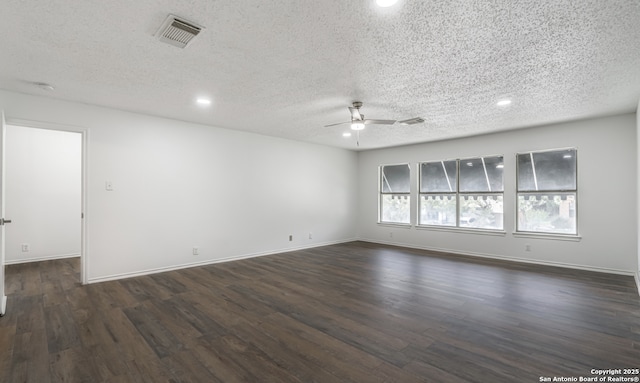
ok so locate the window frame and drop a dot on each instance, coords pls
(549, 234)
(457, 196)
(382, 193)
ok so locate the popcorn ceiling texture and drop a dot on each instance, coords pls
(286, 68)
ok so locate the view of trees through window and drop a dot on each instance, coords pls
(469, 193)
(395, 199)
(547, 191)
(482, 211)
(462, 193)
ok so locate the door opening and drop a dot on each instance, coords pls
(45, 195)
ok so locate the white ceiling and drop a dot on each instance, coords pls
(286, 68)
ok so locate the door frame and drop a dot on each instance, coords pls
(3, 295)
(84, 209)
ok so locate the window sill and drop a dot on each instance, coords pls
(397, 225)
(465, 230)
(551, 236)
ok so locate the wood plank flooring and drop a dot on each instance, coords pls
(354, 312)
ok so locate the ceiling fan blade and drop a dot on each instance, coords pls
(355, 114)
(412, 121)
(379, 122)
(339, 123)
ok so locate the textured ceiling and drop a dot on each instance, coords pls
(286, 68)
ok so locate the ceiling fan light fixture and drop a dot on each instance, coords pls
(357, 125)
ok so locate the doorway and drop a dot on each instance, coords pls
(45, 194)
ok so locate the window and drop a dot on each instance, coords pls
(547, 192)
(462, 193)
(395, 189)
(481, 193)
(438, 189)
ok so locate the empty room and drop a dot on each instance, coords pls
(363, 191)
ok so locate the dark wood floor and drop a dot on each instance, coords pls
(354, 312)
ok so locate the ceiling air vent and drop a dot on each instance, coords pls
(412, 121)
(178, 32)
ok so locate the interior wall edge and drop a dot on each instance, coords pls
(212, 261)
(509, 259)
(637, 278)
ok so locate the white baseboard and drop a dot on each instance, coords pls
(3, 305)
(40, 259)
(506, 258)
(211, 262)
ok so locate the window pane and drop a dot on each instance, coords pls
(395, 208)
(547, 213)
(481, 211)
(483, 174)
(554, 170)
(438, 176)
(438, 210)
(495, 170)
(396, 179)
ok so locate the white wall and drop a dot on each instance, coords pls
(178, 185)
(607, 195)
(638, 195)
(43, 200)
(235, 194)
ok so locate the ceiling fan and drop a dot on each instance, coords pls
(358, 121)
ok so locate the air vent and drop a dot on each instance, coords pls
(178, 32)
(412, 121)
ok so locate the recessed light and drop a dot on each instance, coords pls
(203, 101)
(503, 102)
(567, 156)
(357, 125)
(469, 163)
(386, 3)
(499, 166)
(346, 134)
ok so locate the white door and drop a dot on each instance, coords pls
(3, 297)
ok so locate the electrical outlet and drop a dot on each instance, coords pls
(196, 251)
(290, 238)
(310, 236)
(26, 248)
(391, 234)
(527, 247)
